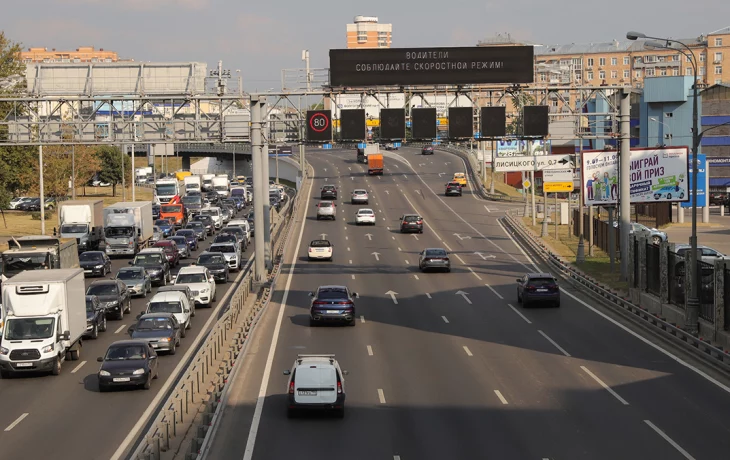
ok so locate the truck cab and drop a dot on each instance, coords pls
(175, 213)
(39, 253)
(167, 189)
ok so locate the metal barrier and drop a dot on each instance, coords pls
(211, 364)
(653, 269)
(706, 289)
(676, 274)
(726, 299)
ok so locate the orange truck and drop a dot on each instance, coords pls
(175, 212)
(375, 164)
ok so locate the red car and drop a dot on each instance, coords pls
(170, 248)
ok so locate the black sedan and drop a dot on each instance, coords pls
(128, 363)
(434, 259)
(199, 228)
(332, 304)
(206, 220)
(113, 295)
(156, 265)
(95, 317)
(538, 288)
(216, 265)
(190, 236)
(95, 263)
(34, 204)
(427, 150)
(161, 330)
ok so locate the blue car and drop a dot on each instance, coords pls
(190, 236)
(166, 226)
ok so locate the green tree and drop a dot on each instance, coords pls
(519, 100)
(110, 165)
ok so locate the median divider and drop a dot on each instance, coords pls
(181, 422)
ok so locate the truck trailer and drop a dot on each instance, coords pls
(45, 317)
(38, 253)
(375, 164)
(127, 227)
(82, 220)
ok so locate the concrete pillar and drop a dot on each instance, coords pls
(624, 174)
(259, 157)
(680, 214)
(185, 163)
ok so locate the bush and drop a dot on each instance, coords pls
(37, 215)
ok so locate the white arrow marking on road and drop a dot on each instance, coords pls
(414, 236)
(445, 320)
(392, 296)
(462, 237)
(421, 164)
(387, 192)
(441, 174)
(370, 236)
(377, 255)
(447, 163)
(464, 295)
(485, 257)
(323, 235)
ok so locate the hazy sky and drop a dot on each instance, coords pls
(260, 38)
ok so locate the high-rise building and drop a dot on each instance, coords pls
(366, 32)
(82, 54)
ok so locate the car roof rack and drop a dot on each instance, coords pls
(330, 357)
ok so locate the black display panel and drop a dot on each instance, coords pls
(319, 125)
(461, 122)
(352, 125)
(536, 120)
(392, 123)
(493, 122)
(423, 123)
(432, 66)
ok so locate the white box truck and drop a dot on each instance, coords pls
(45, 317)
(166, 190)
(208, 182)
(38, 252)
(82, 220)
(220, 186)
(127, 227)
(192, 184)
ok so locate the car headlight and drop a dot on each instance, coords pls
(99, 266)
(112, 303)
(204, 290)
(104, 373)
(4, 351)
(47, 349)
(139, 286)
(138, 372)
(164, 339)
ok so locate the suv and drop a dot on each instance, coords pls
(411, 223)
(359, 196)
(329, 192)
(427, 150)
(453, 188)
(332, 303)
(316, 382)
(230, 252)
(538, 287)
(156, 264)
(201, 282)
(326, 210)
(113, 296)
(176, 303)
(216, 265)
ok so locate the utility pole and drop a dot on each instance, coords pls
(124, 191)
(73, 171)
(134, 178)
(262, 220)
(624, 179)
(41, 191)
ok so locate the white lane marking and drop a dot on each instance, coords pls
(345, 227)
(362, 319)
(399, 249)
(396, 457)
(416, 277)
(350, 262)
(414, 236)
(501, 398)
(253, 431)
(460, 259)
(605, 387)
(383, 218)
(407, 262)
(370, 350)
(445, 320)
(348, 249)
(485, 207)
(76, 369)
(353, 276)
(468, 352)
(428, 295)
(393, 237)
(562, 350)
(347, 238)
(519, 313)
(475, 273)
(495, 292)
(669, 440)
(381, 396)
(447, 246)
(344, 219)
(120, 329)
(17, 420)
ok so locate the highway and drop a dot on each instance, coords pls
(448, 365)
(65, 416)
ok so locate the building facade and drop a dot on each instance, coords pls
(81, 54)
(366, 32)
(716, 140)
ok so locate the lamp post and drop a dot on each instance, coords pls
(669, 130)
(693, 302)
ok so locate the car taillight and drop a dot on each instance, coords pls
(404, 223)
(339, 387)
(530, 288)
(419, 221)
(291, 387)
(319, 302)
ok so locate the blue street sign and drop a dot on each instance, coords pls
(438, 122)
(361, 145)
(408, 124)
(327, 146)
(701, 182)
(397, 144)
(477, 135)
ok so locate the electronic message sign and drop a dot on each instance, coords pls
(319, 125)
(352, 124)
(423, 123)
(461, 122)
(392, 123)
(493, 122)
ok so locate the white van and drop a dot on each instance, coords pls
(316, 382)
(174, 302)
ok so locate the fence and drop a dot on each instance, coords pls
(726, 307)
(653, 269)
(675, 273)
(706, 289)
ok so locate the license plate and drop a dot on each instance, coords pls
(333, 311)
(307, 393)
(542, 290)
(121, 379)
(88, 271)
(24, 365)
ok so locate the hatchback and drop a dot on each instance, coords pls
(411, 223)
(316, 382)
(434, 259)
(427, 150)
(359, 196)
(537, 288)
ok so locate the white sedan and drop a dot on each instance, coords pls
(320, 249)
(365, 216)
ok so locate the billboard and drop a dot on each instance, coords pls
(701, 182)
(431, 66)
(656, 175)
(517, 147)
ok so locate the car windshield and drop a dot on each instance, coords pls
(411, 218)
(225, 239)
(541, 282)
(102, 289)
(226, 248)
(148, 259)
(189, 278)
(154, 324)
(325, 204)
(166, 189)
(454, 184)
(210, 212)
(332, 294)
(328, 187)
(130, 275)
(73, 228)
(186, 233)
(119, 232)
(232, 230)
(171, 209)
(192, 199)
(165, 307)
(90, 257)
(179, 240)
(237, 191)
(89, 305)
(29, 328)
(360, 192)
(435, 253)
(320, 244)
(211, 259)
(162, 223)
(125, 353)
(365, 211)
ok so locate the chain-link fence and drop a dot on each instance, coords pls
(676, 272)
(653, 270)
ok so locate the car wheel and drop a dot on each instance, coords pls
(312, 322)
(420, 231)
(519, 298)
(4, 375)
(103, 388)
(656, 240)
(120, 314)
(102, 328)
(129, 306)
(148, 384)
(317, 217)
(448, 270)
(173, 349)
(56, 370)
(183, 332)
(557, 304)
(157, 374)
(525, 303)
(352, 322)
(215, 296)
(95, 331)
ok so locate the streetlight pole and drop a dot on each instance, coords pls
(667, 136)
(693, 302)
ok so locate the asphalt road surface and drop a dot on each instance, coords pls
(454, 367)
(65, 416)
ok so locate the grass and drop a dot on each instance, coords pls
(287, 183)
(499, 186)
(597, 266)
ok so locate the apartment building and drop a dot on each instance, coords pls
(81, 54)
(366, 32)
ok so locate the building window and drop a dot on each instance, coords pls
(614, 74)
(626, 60)
(649, 72)
(718, 70)
(602, 74)
(614, 61)
(718, 41)
(589, 76)
(701, 71)
(590, 62)
(674, 58)
(703, 57)
(718, 57)
(601, 61)
(687, 59)
(688, 71)
(718, 81)
(637, 74)
(650, 59)
(627, 73)
(675, 72)
(362, 37)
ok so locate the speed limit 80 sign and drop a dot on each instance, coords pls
(319, 125)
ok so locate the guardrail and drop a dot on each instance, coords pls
(715, 356)
(198, 389)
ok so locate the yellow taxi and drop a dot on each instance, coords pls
(460, 178)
